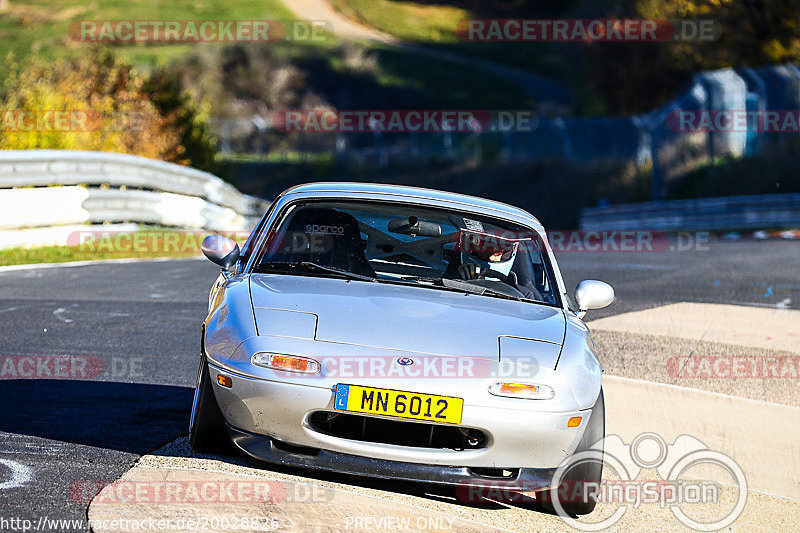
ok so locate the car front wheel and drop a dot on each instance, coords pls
(207, 432)
(588, 470)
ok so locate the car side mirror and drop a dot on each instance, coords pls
(593, 294)
(221, 250)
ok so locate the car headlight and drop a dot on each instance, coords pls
(527, 391)
(288, 363)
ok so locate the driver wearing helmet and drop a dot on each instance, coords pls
(485, 255)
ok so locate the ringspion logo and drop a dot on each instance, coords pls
(677, 485)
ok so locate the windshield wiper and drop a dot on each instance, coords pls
(435, 281)
(476, 289)
(337, 270)
(462, 285)
(314, 266)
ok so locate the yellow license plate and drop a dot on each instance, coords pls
(402, 404)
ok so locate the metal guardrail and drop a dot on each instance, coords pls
(45, 188)
(704, 214)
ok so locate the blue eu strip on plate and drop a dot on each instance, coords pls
(342, 392)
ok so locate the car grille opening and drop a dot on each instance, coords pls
(297, 450)
(495, 473)
(398, 433)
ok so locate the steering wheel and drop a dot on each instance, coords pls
(471, 271)
(474, 272)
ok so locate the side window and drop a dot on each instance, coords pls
(247, 247)
(570, 304)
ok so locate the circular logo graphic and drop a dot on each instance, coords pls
(650, 451)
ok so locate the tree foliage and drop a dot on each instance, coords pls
(194, 143)
(633, 76)
(118, 109)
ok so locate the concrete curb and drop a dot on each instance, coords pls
(763, 438)
(181, 499)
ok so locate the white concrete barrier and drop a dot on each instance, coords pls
(57, 188)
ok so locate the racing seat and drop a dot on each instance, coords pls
(524, 276)
(327, 237)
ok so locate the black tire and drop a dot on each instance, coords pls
(207, 431)
(570, 491)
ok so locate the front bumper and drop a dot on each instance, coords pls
(267, 449)
(521, 434)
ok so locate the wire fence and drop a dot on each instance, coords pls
(719, 114)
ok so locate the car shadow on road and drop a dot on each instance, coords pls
(128, 417)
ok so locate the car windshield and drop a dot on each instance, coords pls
(396, 243)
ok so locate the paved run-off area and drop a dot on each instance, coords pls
(750, 352)
(316, 502)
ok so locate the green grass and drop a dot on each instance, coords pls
(448, 85)
(437, 25)
(64, 254)
(409, 21)
(41, 28)
(149, 242)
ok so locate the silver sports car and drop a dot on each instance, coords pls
(401, 333)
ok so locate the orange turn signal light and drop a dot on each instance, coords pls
(289, 363)
(574, 422)
(515, 388)
(225, 381)
(528, 391)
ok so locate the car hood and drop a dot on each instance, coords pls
(406, 318)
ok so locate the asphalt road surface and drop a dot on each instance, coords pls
(99, 362)
(133, 331)
(745, 272)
